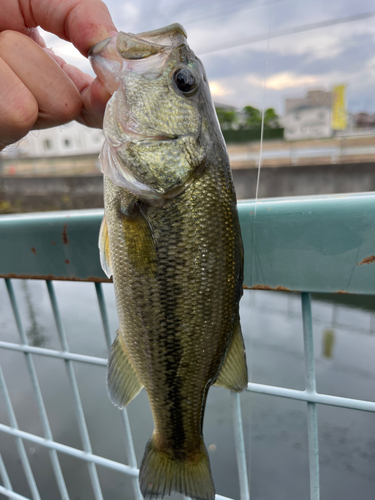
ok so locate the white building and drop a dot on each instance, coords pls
(307, 122)
(66, 140)
(308, 117)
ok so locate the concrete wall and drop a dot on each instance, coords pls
(34, 194)
(73, 185)
(59, 193)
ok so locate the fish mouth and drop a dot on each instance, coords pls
(98, 47)
(159, 138)
(137, 137)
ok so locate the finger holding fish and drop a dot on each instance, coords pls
(38, 89)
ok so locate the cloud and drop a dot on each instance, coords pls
(130, 12)
(218, 90)
(300, 62)
(288, 80)
(67, 51)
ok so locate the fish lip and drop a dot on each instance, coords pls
(98, 47)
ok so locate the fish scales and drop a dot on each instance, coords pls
(171, 239)
(187, 291)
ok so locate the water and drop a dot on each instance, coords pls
(344, 338)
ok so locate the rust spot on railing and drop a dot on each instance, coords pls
(50, 277)
(65, 234)
(343, 292)
(67, 261)
(368, 260)
(279, 288)
(33, 250)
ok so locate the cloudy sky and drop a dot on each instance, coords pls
(262, 51)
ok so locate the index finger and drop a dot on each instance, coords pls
(82, 22)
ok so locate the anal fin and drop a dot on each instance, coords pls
(233, 373)
(123, 383)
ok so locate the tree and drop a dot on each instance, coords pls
(271, 119)
(253, 118)
(227, 118)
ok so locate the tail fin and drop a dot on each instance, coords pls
(160, 475)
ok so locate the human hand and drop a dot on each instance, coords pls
(37, 88)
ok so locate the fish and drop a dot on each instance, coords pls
(171, 239)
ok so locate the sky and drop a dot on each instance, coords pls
(259, 52)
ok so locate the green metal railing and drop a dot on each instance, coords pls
(313, 244)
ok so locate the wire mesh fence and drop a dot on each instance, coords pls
(72, 237)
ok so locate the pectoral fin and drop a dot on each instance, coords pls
(233, 374)
(140, 246)
(105, 256)
(122, 380)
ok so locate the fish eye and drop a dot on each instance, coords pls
(185, 80)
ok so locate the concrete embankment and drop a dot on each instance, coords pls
(29, 194)
(25, 194)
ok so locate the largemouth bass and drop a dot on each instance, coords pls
(171, 239)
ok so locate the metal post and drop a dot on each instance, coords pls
(4, 475)
(78, 404)
(240, 446)
(312, 418)
(38, 393)
(21, 447)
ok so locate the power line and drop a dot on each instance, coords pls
(288, 31)
(202, 15)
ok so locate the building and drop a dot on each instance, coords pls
(308, 117)
(307, 122)
(364, 120)
(71, 139)
(313, 98)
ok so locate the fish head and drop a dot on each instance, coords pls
(155, 143)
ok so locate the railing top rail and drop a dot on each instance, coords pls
(314, 243)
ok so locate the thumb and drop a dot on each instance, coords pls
(95, 98)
